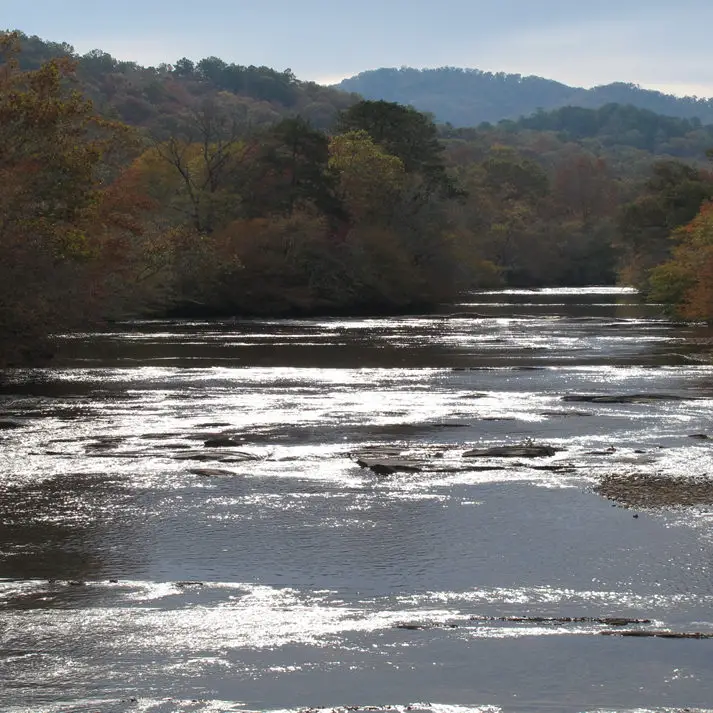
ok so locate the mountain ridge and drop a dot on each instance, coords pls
(469, 97)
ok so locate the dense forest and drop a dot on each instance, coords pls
(217, 189)
(152, 97)
(468, 97)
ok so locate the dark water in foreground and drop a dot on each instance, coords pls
(308, 563)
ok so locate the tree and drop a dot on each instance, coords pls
(211, 68)
(584, 187)
(96, 62)
(513, 177)
(370, 180)
(184, 67)
(672, 197)
(204, 158)
(685, 282)
(292, 172)
(62, 233)
(405, 133)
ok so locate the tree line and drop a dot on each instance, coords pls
(211, 213)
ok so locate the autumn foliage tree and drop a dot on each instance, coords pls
(370, 179)
(672, 196)
(64, 234)
(240, 190)
(685, 282)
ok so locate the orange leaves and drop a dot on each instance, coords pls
(686, 281)
(68, 233)
(699, 232)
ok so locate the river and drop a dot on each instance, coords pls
(141, 570)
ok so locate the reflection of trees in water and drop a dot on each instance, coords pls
(54, 529)
(47, 394)
(634, 307)
(688, 345)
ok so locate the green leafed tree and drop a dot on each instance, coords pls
(292, 172)
(370, 179)
(405, 133)
(672, 197)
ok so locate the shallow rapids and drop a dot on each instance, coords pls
(143, 570)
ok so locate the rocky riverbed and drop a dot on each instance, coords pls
(504, 507)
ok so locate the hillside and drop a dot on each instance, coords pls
(468, 97)
(154, 97)
(608, 130)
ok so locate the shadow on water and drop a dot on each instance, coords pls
(52, 530)
(538, 327)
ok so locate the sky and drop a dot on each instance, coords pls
(658, 44)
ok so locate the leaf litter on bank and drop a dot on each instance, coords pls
(655, 490)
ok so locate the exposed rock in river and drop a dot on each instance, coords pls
(643, 633)
(222, 442)
(389, 466)
(229, 457)
(520, 451)
(212, 472)
(624, 398)
(551, 620)
(607, 620)
(565, 414)
(386, 460)
(7, 424)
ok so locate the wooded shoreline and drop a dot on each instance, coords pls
(203, 203)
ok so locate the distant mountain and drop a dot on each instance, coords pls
(469, 97)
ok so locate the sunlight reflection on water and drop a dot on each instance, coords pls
(273, 572)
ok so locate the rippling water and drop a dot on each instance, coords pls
(141, 570)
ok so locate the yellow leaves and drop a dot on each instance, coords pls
(75, 244)
(699, 232)
(194, 179)
(9, 49)
(51, 140)
(356, 152)
(66, 235)
(368, 176)
(154, 174)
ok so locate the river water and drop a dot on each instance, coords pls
(141, 570)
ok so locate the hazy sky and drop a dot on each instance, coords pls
(655, 43)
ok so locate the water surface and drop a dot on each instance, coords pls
(141, 570)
